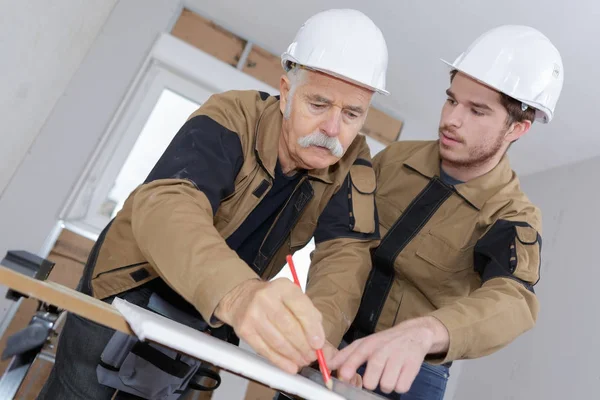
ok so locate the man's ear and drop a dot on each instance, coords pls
(284, 89)
(517, 130)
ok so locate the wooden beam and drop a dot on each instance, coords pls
(65, 298)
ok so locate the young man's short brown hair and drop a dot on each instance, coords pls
(512, 106)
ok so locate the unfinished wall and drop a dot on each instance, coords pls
(558, 358)
(43, 43)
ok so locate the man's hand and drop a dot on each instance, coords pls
(393, 356)
(276, 319)
(329, 352)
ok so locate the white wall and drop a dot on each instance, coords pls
(42, 44)
(65, 68)
(31, 203)
(558, 359)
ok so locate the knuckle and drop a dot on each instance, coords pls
(377, 361)
(282, 345)
(310, 356)
(282, 315)
(244, 331)
(279, 282)
(247, 323)
(262, 295)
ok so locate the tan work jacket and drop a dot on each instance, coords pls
(217, 169)
(468, 255)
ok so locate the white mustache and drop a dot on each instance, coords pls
(318, 138)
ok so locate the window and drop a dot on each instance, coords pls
(169, 114)
(176, 79)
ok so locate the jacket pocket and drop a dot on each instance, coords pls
(301, 234)
(362, 198)
(443, 256)
(448, 271)
(527, 253)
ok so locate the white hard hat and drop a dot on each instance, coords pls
(344, 43)
(518, 61)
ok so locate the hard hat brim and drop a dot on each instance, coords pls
(288, 58)
(541, 115)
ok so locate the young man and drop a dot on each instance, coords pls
(453, 276)
(247, 180)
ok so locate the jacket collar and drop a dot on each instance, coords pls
(268, 132)
(477, 191)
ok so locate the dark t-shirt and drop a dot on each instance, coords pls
(246, 240)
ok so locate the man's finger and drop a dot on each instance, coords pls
(280, 344)
(329, 352)
(261, 348)
(375, 365)
(291, 331)
(391, 374)
(341, 356)
(357, 358)
(408, 373)
(356, 381)
(307, 314)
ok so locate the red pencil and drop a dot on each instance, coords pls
(320, 357)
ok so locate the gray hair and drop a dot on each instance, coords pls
(297, 76)
(318, 138)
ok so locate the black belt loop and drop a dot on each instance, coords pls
(419, 211)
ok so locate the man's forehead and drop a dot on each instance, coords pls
(355, 103)
(347, 97)
(324, 80)
(473, 90)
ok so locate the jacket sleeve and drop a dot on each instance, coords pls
(172, 218)
(346, 231)
(507, 258)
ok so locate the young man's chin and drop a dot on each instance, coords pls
(448, 155)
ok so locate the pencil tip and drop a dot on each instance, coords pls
(329, 384)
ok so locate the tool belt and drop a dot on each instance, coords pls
(152, 371)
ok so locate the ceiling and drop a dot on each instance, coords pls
(420, 32)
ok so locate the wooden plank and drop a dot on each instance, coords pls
(264, 66)
(209, 37)
(69, 254)
(257, 391)
(65, 298)
(381, 126)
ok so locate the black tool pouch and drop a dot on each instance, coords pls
(152, 371)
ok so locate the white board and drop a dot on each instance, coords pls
(156, 328)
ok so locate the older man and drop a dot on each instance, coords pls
(247, 180)
(453, 276)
